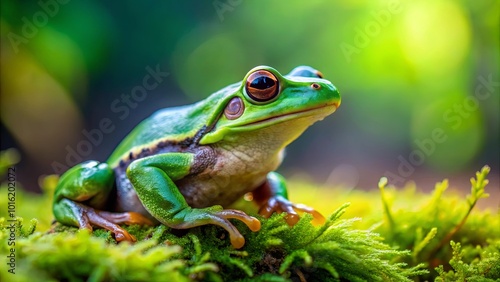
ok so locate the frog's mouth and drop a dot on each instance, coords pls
(294, 115)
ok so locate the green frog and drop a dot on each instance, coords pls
(181, 166)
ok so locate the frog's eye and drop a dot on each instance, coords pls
(319, 74)
(262, 86)
(234, 108)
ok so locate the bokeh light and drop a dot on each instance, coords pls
(403, 68)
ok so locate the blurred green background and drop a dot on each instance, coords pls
(419, 79)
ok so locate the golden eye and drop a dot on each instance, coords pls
(319, 74)
(234, 108)
(262, 86)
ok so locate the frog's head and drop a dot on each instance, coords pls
(280, 106)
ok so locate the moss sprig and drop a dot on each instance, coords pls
(477, 192)
(479, 264)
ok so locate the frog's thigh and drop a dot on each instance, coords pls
(89, 182)
(275, 185)
(82, 191)
(153, 180)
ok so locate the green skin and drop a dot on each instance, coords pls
(180, 166)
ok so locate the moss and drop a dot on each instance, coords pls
(395, 241)
(472, 263)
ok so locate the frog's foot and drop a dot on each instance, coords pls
(281, 204)
(87, 217)
(127, 218)
(196, 217)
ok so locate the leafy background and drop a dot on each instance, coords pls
(404, 69)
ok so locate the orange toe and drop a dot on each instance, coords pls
(254, 225)
(238, 242)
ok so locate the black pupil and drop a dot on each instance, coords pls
(262, 82)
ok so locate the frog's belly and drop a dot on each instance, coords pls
(208, 189)
(232, 175)
(236, 172)
(203, 190)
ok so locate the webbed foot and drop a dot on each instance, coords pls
(87, 217)
(190, 217)
(280, 204)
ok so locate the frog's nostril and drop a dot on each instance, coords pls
(315, 86)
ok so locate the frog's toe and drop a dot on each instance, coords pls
(318, 218)
(84, 222)
(99, 218)
(86, 217)
(281, 204)
(125, 218)
(238, 242)
(137, 218)
(277, 204)
(220, 219)
(122, 235)
(252, 222)
(292, 218)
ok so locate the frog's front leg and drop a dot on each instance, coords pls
(81, 194)
(272, 196)
(153, 179)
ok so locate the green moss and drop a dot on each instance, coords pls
(473, 263)
(428, 229)
(395, 241)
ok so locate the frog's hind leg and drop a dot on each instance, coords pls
(272, 196)
(82, 192)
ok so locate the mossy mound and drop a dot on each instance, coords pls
(438, 237)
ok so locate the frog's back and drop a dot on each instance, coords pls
(172, 126)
